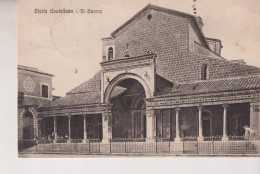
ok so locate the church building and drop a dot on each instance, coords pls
(160, 77)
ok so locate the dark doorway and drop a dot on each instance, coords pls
(77, 127)
(206, 128)
(129, 110)
(94, 126)
(28, 125)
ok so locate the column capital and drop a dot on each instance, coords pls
(150, 112)
(68, 115)
(177, 109)
(200, 107)
(225, 105)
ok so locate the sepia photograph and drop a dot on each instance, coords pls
(165, 78)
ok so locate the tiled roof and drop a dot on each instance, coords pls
(89, 86)
(35, 101)
(84, 98)
(213, 86)
(77, 99)
(31, 69)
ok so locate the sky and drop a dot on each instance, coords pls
(60, 43)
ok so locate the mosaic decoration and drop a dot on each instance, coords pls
(28, 84)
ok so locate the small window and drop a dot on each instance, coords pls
(204, 72)
(110, 53)
(149, 17)
(45, 92)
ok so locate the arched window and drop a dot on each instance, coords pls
(110, 53)
(204, 72)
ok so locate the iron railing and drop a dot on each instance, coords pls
(213, 145)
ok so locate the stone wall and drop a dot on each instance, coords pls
(172, 37)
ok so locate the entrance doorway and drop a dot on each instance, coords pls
(129, 110)
(28, 125)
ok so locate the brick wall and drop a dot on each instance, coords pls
(179, 58)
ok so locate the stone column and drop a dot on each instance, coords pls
(150, 125)
(69, 129)
(85, 128)
(200, 137)
(107, 126)
(255, 120)
(177, 138)
(225, 137)
(55, 128)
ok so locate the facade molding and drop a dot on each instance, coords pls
(122, 77)
(78, 110)
(48, 76)
(37, 97)
(209, 99)
(119, 64)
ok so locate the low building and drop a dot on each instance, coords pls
(34, 90)
(160, 77)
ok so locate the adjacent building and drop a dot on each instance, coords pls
(34, 90)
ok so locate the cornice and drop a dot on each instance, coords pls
(118, 64)
(207, 98)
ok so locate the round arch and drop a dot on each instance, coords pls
(28, 119)
(122, 77)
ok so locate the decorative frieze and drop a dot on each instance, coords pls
(205, 98)
(256, 108)
(145, 60)
(73, 110)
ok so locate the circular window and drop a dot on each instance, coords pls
(149, 16)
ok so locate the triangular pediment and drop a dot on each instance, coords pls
(165, 10)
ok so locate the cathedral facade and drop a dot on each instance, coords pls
(160, 77)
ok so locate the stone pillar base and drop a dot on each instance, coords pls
(150, 140)
(224, 139)
(177, 139)
(201, 138)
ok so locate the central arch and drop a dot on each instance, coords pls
(123, 77)
(127, 92)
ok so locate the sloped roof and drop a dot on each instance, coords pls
(166, 10)
(213, 86)
(77, 99)
(93, 97)
(89, 86)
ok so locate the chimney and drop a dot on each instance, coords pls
(199, 21)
